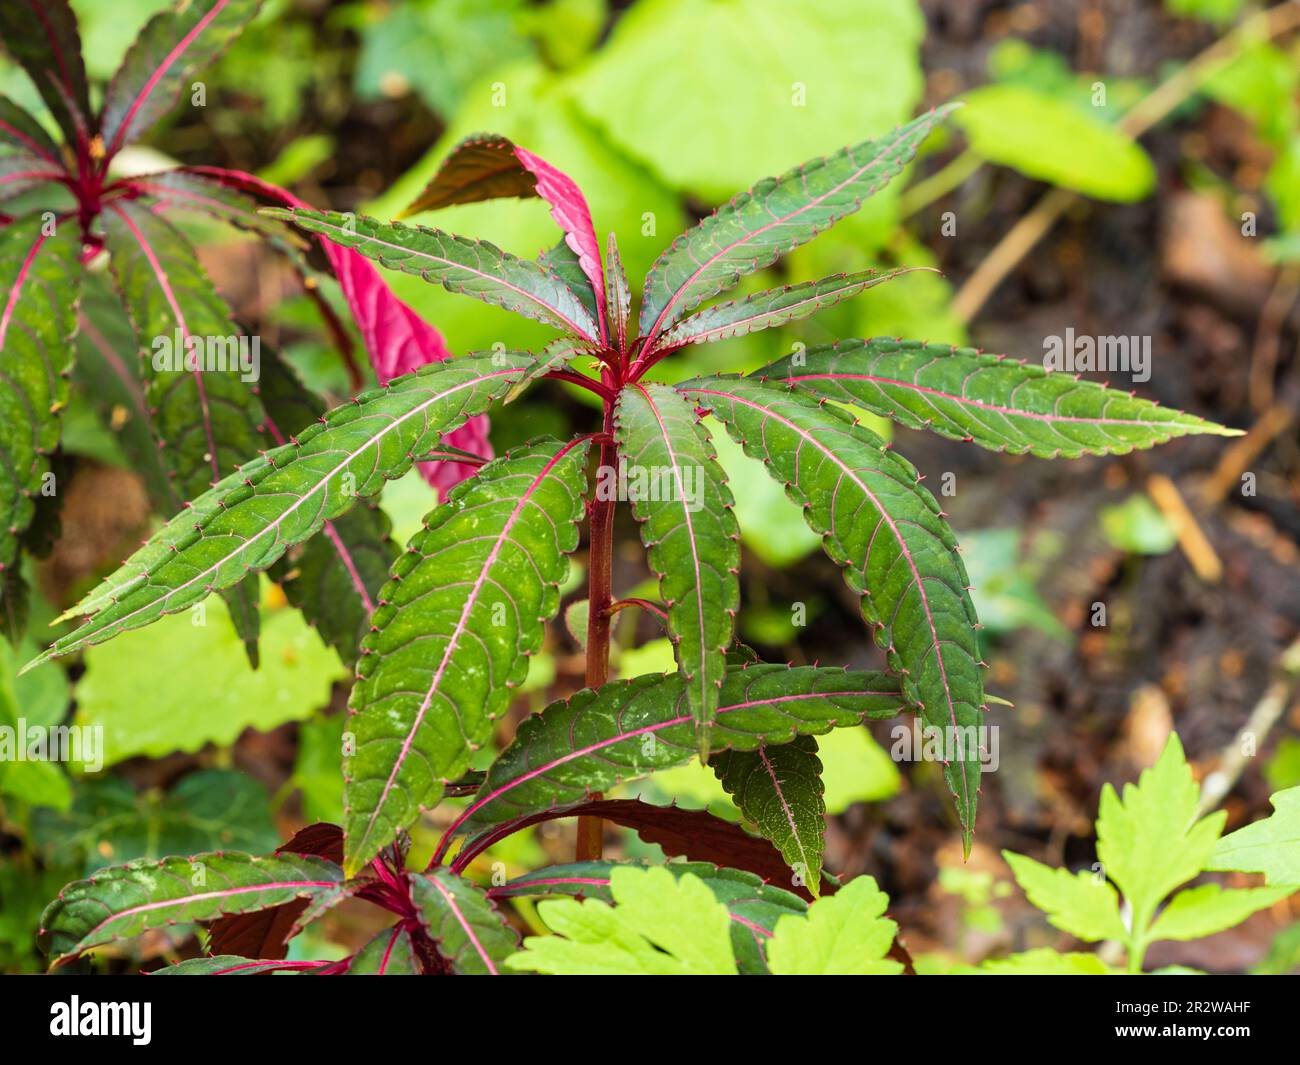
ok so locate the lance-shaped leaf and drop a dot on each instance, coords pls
(896, 550)
(231, 965)
(990, 400)
(23, 171)
(389, 953)
(334, 578)
(564, 263)
(487, 167)
(473, 268)
(128, 900)
(679, 495)
(631, 728)
(20, 130)
(42, 36)
(465, 608)
(772, 218)
(755, 906)
(156, 69)
(779, 790)
(555, 356)
(771, 307)
(248, 521)
(470, 932)
(618, 294)
(40, 277)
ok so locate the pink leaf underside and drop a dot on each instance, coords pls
(397, 339)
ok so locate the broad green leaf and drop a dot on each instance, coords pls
(334, 579)
(618, 295)
(156, 70)
(772, 218)
(473, 268)
(1210, 908)
(465, 608)
(206, 693)
(1045, 962)
(779, 790)
(770, 308)
(127, 900)
(38, 700)
(680, 497)
(388, 953)
(470, 933)
(631, 728)
(110, 823)
(765, 83)
(754, 906)
(989, 400)
(1081, 904)
(226, 965)
(897, 551)
(1151, 841)
(843, 934)
(661, 925)
(41, 35)
(1270, 846)
(1051, 140)
(248, 521)
(40, 275)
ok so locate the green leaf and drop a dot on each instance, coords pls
(40, 275)
(248, 521)
(128, 900)
(897, 551)
(473, 268)
(1082, 904)
(1051, 140)
(157, 67)
(754, 905)
(1270, 846)
(779, 790)
(225, 965)
(1210, 908)
(662, 925)
(565, 264)
(989, 400)
(109, 823)
(1151, 841)
(770, 308)
(1045, 962)
(772, 218)
(388, 953)
(207, 694)
(631, 728)
(680, 497)
(555, 356)
(469, 931)
(618, 295)
(20, 130)
(41, 35)
(465, 608)
(843, 934)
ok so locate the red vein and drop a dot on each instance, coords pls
(469, 930)
(16, 291)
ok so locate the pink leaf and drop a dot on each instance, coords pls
(397, 339)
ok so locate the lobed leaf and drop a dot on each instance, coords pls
(1082, 904)
(897, 551)
(472, 268)
(127, 900)
(1210, 908)
(460, 918)
(777, 215)
(779, 790)
(631, 728)
(464, 610)
(42, 36)
(156, 68)
(754, 906)
(689, 531)
(771, 308)
(845, 934)
(989, 400)
(246, 522)
(1270, 846)
(40, 275)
